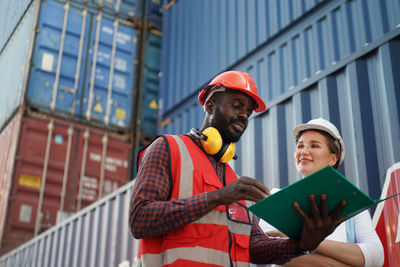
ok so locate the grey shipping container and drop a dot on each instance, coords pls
(11, 13)
(99, 235)
(14, 65)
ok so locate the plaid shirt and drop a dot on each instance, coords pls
(152, 214)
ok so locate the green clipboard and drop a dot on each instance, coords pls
(277, 209)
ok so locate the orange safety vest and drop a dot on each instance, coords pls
(220, 238)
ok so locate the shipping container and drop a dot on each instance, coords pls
(299, 37)
(153, 13)
(79, 63)
(149, 10)
(8, 145)
(360, 95)
(14, 62)
(60, 167)
(149, 108)
(338, 62)
(386, 217)
(99, 235)
(120, 8)
(11, 14)
(83, 65)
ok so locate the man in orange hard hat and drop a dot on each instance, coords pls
(189, 207)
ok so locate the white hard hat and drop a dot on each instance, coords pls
(326, 126)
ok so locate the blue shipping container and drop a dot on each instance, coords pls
(153, 12)
(129, 9)
(150, 90)
(340, 62)
(83, 65)
(203, 38)
(120, 8)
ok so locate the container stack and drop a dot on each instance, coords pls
(78, 78)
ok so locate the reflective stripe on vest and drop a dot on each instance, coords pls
(185, 189)
(191, 244)
(187, 256)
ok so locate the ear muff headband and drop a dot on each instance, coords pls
(212, 143)
(226, 153)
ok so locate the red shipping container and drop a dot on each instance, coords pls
(8, 146)
(60, 168)
(387, 217)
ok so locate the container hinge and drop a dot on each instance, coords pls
(83, 167)
(93, 73)
(39, 213)
(79, 61)
(59, 59)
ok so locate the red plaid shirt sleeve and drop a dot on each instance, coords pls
(265, 249)
(151, 213)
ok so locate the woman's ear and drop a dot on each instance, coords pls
(333, 159)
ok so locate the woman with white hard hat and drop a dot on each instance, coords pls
(354, 242)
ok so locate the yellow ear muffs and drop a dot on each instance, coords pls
(226, 153)
(212, 143)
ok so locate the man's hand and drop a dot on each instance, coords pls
(320, 225)
(244, 188)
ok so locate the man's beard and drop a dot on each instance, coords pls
(222, 124)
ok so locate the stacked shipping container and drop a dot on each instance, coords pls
(332, 59)
(72, 85)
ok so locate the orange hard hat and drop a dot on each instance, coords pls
(235, 80)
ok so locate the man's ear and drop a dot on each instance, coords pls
(209, 106)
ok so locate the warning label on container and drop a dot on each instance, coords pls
(98, 108)
(30, 181)
(120, 113)
(153, 104)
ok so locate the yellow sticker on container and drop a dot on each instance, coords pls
(30, 181)
(153, 104)
(120, 113)
(98, 108)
